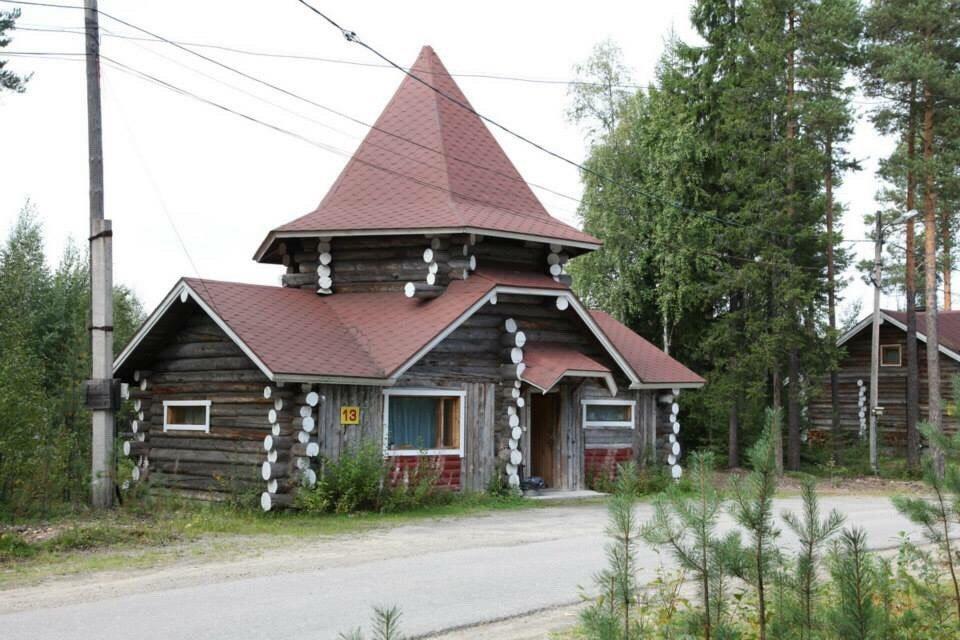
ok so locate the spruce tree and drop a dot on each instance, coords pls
(8, 79)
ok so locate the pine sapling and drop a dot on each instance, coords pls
(812, 533)
(938, 515)
(686, 526)
(855, 615)
(386, 626)
(753, 510)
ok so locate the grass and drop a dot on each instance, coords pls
(151, 534)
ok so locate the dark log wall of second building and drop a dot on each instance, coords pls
(892, 390)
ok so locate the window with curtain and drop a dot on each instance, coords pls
(421, 422)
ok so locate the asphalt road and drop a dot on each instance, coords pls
(442, 574)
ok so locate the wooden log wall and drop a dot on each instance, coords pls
(201, 363)
(892, 393)
(291, 451)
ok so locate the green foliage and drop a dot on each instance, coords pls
(353, 482)
(798, 612)
(613, 615)
(857, 578)
(386, 626)
(361, 480)
(752, 509)
(686, 526)
(939, 513)
(8, 79)
(44, 359)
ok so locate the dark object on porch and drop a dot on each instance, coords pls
(534, 483)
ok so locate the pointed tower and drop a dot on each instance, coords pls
(427, 196)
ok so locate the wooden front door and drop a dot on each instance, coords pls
(544, 436)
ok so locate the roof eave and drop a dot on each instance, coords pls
(281, 233)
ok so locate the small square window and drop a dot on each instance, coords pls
(890, 355)
(186, 415)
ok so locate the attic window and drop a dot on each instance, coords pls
(186, 415)
(423, 421)
(890, 355)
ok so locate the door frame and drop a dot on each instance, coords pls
(559, 479)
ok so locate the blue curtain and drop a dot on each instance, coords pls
(413, 422)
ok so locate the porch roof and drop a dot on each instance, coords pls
(548, 362)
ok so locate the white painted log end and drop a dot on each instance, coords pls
(516, 355)
(278, 404)
(512, 444)
(516, 457)
(493, 299)
(555, 270)
(517, 433)
(520, 338)
(313, 449)
(305, 411)
(267, 393)
(473, 263)
(308, 424)
(510, 325)
(303, 437)
(271, 416)
(676, 471)
(514, 480)
(428, 255)
(325, 258)
(556, 248)
(520, 402)
(513, 421)
(562, 303)
(266, 503)
(313, 398)
(409, 289)
(431, 279)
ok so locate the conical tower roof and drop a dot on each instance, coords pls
(429, 165)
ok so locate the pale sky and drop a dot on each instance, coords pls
(172, 162)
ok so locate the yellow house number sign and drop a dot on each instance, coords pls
(349, 415)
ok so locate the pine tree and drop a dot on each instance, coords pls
(752, 508)
(855, 615)
(913, 59)
(812, 533)
(686, 526)
(938, 515)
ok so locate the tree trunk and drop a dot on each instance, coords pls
(947, 248)
(934, 415)
(913, 368)
(733, 433)
(793, 411)
(778, 434)
(831, 294)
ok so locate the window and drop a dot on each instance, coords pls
(419, 421)
(890, 355)
(608, 413)
(186, 415)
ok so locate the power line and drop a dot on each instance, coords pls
(302, 98)
(351, 36)
(356, 63)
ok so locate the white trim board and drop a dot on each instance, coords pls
(274, 235)
(423, 392)
(884, 317)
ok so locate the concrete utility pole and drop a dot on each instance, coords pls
(101, 280)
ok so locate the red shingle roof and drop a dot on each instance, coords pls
(431, 164)
(650, 363)
(548, 362)
(366, 335)
(295, 332)
(948, 326)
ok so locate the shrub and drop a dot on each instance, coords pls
(353, 482)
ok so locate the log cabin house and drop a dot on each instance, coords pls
(854, 379)
(425, 306)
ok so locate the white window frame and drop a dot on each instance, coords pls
(899, 353)
(603, 424)
(433, 393)
(205, 427)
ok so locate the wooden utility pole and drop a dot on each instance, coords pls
(101, 280)
(875, 347)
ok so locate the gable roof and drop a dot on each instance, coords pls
(548, 362)
(655, 368)
(430, 165)
(373, 338)
(948, 328)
